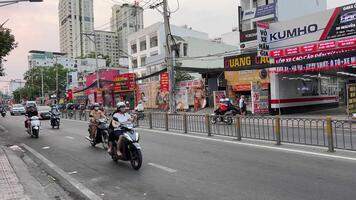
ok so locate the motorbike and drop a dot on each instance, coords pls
(102, 134)
(33, 128)
(131, 149)
(227, 117)
(3, 112)
(55, 119)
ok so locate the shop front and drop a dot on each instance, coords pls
(125, 89)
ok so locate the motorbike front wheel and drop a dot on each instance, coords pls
(35, 133)
(228, 120)
(105, 140)
(136, 158)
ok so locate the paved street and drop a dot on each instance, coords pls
(178, 167)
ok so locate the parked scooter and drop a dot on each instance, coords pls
(131, 150)
(55, 119)
(34, 127)
(102, 134)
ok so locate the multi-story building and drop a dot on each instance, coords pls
(75, 18)
(147, 50)
(88, 65)
(49, 59)
(126, 19)
(107, 45)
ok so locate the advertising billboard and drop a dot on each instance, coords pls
(330, 24)
(260, 11)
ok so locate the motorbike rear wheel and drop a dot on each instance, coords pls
(105, 140)
(228, 120)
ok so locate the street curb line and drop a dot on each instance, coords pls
(74, 186)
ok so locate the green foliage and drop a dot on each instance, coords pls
(7, 44)
(33, 84)
(183, 76)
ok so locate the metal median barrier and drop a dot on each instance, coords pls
(324, 132)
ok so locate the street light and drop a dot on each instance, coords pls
(10, 2)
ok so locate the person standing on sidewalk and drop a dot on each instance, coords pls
(242, 105)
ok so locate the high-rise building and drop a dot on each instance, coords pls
(76, 17)
(126, 19)
(49, 59)
(107, 45)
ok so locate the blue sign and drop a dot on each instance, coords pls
(268, 9)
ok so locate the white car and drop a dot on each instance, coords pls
(17, 109)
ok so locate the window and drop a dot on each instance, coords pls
(153, 41)
(185, 49)
(143, 45)
(134, 63)
(143, 61)
(155, 53)
(133, 48)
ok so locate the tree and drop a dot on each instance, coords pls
(106, 57)
(7, 44)
(33, 86)
(183, 76)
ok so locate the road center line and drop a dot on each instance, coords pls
(70, 137)
(167, 169)
(47, 147)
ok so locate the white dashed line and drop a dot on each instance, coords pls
(167, 169)
(47, 147)
(70, 137)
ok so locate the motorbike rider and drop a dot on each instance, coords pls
(120, 116)
(30, 112)
(94, 115)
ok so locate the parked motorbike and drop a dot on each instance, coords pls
(102, 134)
(55, 119)
(33, 129)
(131, 149)
(227, 117)
(140, 115)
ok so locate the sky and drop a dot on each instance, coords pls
(35, 25)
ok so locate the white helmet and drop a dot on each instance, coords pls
(120, 105)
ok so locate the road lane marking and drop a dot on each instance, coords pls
(73, 172)
(70, 137)
(325, 155)
(46, 147)
(167, 169)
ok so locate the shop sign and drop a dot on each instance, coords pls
(260, 11)
(351, 98)
(260, 98)
(244, 61)
(241, 80)
(182, 98)
(164, 82)
(247, 36)
(195, 92)
(125, 82)
(327, 64)
(326, 25)
(263, 46)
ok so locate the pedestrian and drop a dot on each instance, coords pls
(242, 105)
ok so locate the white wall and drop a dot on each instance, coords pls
(231, 38)
(289, 9)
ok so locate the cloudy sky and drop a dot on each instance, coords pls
(35, 25)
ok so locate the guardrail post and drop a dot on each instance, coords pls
(80, 115)
(75, 115)
(278, 129)
(329, 134)
(166, 121)
(86, 116)
(207, 123)
(185, 125)
(238, 127)
(150, 120)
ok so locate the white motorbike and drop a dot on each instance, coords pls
(34, 127)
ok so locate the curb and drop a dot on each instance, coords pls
(77, 190)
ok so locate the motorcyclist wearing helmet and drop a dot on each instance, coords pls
(120, 116)
(30, 112)
(94, 115)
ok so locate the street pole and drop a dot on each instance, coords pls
(56, 80)
(42, 92)
(96, 63)
(169, 56)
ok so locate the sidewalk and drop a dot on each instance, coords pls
(10, 186)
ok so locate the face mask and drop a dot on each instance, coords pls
(122, 109)
(96, 108)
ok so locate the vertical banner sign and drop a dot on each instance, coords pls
(351, 98)
(164, 82)
(260, 98)
(262, 35)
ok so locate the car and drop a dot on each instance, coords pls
(17, 109)
(31, 103)
(44, 112)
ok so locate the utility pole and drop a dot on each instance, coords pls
(168, 51)
(42, 91)
(96, 57)
(56, 79)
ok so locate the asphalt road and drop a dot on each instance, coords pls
(178, 167)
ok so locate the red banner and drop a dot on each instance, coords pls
(164, 81)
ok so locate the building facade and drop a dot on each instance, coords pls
(49, 59)
(15, 84)
(107, 45)
(76, 17)
(126, 19)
